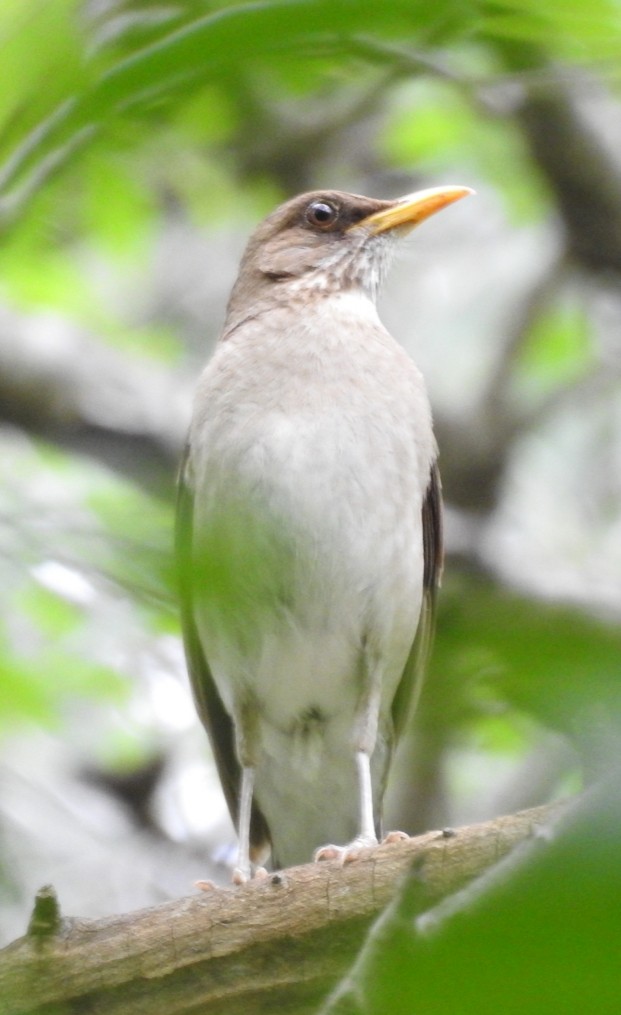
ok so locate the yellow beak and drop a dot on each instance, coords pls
(409, 211)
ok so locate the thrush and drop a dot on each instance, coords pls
(309, 530)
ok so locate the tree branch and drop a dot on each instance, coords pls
(61, 384)
(282, 941)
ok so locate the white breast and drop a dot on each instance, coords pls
(311, 455)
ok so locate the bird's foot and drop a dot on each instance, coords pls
(351, 852)
(345, 854)
(395, 836)
(241, 875)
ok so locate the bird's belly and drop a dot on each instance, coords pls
(311, 552)
(317, 802)
(306, 659)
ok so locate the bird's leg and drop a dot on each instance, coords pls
(365, 790)
(247, 728)
(365, 745)
(367, 835)
(242, 871)
(366, 735)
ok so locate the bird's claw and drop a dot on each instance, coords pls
(240, 875)
(345, 854)
(205, 886)
(395, 836)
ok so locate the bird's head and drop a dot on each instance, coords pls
(327, 241)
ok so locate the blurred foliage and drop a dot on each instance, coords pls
(542, 938)
(498, 650)
(193, 66)
(435, 123)
(558, 349)
(121, 120)
(59, 603)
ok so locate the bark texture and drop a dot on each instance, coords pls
(276, 944)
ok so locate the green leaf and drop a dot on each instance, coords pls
(199, 52)
(117, 209)
(565, 28)
(36, 688)
(434, 126)
(24, 696)
(558, 349)
(547, 660)
(52, 615)
(542, 938)
(41, 44)
(137, 552)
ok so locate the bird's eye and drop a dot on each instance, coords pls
(321, 213)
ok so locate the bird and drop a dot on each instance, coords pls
(309, 531)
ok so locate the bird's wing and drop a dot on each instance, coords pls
(411, 683)
(213, 715)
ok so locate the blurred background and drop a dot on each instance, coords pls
(140, 142)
